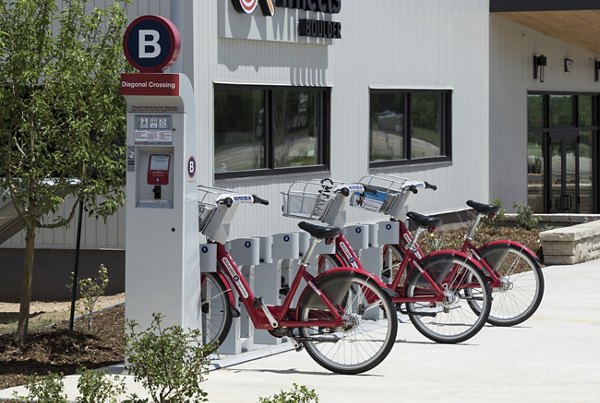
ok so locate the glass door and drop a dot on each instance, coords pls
(564, 173)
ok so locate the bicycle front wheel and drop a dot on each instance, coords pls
(369, 327)
(450, 320)
(521, 284)
(216, 312)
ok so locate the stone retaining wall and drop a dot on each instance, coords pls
(574, 244)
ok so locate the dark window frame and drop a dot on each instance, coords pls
(445, 127)
(323, 144)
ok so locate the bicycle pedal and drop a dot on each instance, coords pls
(284, 290)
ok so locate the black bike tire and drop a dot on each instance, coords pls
(385, 341)
(470, 329)
(222, 324)
(498, 297)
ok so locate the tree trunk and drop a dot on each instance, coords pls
(26, 292)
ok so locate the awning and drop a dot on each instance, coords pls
(573, 21)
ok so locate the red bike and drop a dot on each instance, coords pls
(344, 317)
(435, 290)
(512, 270)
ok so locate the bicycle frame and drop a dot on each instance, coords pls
(469, 247)
(283, 314)
(347, 256)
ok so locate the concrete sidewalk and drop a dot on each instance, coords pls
(552, 357)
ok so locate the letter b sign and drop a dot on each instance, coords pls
(151, 43)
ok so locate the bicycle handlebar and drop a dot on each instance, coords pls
(430, 186)
(229, 199)
(260, 200)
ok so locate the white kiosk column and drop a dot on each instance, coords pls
(162, 238)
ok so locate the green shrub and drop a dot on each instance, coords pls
(170, 363)
(96, 386)
(300, 394)
(47, 388)
(525, 217)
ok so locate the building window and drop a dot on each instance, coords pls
(274, 130)
(409, 126)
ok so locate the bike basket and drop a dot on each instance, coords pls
(309, 200)
(389, 197)
(214, 219)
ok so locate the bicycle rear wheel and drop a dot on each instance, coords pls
(522, 284)
(451, 320)
(216, 312)
(368, 332)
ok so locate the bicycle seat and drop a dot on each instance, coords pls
(423, 220)
(319, 231)
(482, 207)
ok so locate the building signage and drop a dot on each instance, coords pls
(306, 27)
(150, 84)
(151, 43)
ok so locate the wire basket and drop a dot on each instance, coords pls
(389, 196)
(214, 219)
(308, 200)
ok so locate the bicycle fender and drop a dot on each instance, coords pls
(516, 244)
(454, 253)
(313, 290)
(356, 270)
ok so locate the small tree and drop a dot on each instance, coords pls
(90, 290)
(62, 121)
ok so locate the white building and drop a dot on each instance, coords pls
(433, 90)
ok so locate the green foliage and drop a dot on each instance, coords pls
(170, 363)
(96, 386)
(300, 394)
(525, 217)
(90, 290)
(62, 119)
(46, 389)
(434, 241)
(495, 222)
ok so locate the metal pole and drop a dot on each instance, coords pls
(76, 271)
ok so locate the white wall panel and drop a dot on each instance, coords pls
(385, 44)
(511, 77)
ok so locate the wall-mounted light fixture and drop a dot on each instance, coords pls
(568, 64)
(539, 62)
(597, 70)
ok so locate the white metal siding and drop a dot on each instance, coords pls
(405, 44)
(511, 77)
(387, 44)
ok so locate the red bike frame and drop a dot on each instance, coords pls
(347, 256)
(230, 274)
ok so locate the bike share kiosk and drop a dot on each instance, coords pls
(162, 256)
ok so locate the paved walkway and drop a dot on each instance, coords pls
(552, 357)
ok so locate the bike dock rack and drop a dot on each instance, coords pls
(268, 264)
(368, 241)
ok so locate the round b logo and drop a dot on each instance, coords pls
(151, 43)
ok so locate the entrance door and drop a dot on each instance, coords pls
(564, 173)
